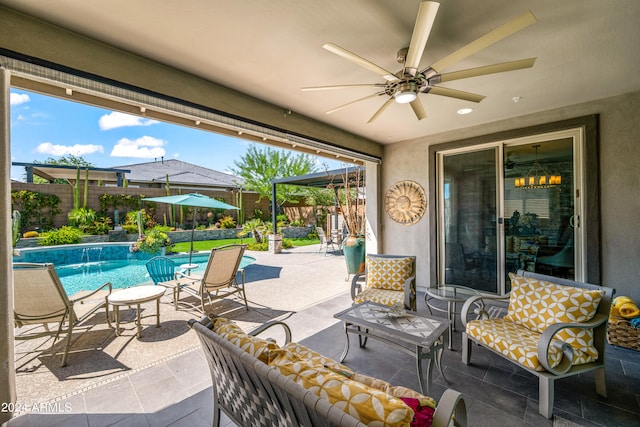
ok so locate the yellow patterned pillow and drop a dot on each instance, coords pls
(315, 358)
(536, 304)
(388, 273)
(257, 347)
(369, 405)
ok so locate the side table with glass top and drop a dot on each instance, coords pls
(452, 294)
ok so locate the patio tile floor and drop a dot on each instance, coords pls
(177, 391)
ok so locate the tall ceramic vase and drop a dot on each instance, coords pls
(354, 249)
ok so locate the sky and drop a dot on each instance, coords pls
(45, 127)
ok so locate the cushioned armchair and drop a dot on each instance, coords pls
(387, 279)
(554, 328)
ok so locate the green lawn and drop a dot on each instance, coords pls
(207, 245)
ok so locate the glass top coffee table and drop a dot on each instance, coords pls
(418, 336)
(452, 294)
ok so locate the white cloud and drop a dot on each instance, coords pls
(145, 147)
(18, 98)
(117, 120)
(63, 150)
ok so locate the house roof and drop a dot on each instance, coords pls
(180, 174)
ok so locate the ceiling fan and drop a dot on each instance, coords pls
(404, 86)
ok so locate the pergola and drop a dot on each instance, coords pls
(336, 178)
(53, 172)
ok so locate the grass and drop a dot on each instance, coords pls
(207, 245)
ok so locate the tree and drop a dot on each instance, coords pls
(259, 167)
(69, 160)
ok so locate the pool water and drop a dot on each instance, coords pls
(122, 273)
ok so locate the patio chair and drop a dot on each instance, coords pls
(326, 241)
(220, 277)
(388, 279)
(162, 271)
(40, 298)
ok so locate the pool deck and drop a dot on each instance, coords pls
(162, 378)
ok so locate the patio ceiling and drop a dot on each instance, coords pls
(586, 50)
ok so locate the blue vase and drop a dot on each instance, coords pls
(354, 249)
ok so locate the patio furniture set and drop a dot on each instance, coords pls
(552, 340)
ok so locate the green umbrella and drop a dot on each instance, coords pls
(192, 199)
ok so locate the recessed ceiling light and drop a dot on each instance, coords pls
(465, 111)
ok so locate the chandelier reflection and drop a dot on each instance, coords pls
(538, 176)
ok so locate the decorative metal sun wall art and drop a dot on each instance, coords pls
(405, 202)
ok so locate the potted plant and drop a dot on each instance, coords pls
(350, 199)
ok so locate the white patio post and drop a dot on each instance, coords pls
(7, 363)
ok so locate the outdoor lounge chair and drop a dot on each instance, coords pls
(40, 298)
(220, 277)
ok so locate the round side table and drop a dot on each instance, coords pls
(452, 294)
(136, 295)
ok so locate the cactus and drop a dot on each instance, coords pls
(76, 191)
(171, 207)
(15, 227)
(86, 188)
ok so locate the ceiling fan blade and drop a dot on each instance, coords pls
(381, 109)
(387, 75)
(488, 69)
(454, 93)
(421, 30)
(488, 39)
(418, 109)
(307, 89)
(353, 102)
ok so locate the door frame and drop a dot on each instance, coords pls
(590, 191)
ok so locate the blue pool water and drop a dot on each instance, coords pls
(91, 269)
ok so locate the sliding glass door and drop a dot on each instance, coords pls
(469, 250)
(508, 206)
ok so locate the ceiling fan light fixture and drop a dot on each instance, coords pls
(406, 93)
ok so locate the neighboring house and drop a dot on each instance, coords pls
(182, 175)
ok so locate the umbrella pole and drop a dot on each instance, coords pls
(193, 230)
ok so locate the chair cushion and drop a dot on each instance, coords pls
(514, 341)
(380, 296)
(536, 304)
(257, 347)
(315, 358)
(367, 404)
(388, 273)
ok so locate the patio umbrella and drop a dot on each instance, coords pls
(192, 199)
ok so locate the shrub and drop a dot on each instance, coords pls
(152, 242)
(62, 236)
(227, 222)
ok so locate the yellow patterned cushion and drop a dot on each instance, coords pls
(315, 358)
(513, 341)
(369, 405)
(536, 304)
(388, 273)
(381, 296)
(257, 347)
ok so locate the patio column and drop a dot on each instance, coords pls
(373, 207)
(7, 362)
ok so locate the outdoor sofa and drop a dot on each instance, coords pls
(256, 382)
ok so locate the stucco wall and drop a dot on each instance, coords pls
(619, 162)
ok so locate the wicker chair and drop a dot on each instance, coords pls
(40, 298)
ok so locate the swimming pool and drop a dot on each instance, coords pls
(88, 267)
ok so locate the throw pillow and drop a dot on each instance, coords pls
(388, 273)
